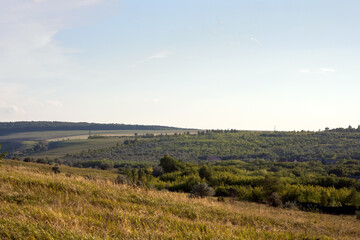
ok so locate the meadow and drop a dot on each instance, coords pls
(38, 204)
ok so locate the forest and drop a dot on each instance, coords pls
(327, 146)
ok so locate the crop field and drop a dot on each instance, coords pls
(37, 204)
(70, 142)
(61, 148)
(80, 134)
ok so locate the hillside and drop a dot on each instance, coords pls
(36, 126)
(37, 204)
(243, 145)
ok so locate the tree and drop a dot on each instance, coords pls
(205, 173)
(170, 164)
(271, 184)
(202, 190)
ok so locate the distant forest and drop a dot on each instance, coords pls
(216, 145)
(34, 126)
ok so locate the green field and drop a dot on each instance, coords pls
(61, 148)
(69, 142)
(80, 134)
(75, 204)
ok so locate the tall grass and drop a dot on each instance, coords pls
(36, 204)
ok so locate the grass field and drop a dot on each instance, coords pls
(64, 135)
(61, 148)
(37, 204)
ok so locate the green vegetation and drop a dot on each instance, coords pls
(308, 185)
(208, 146)
(20, 127)
(308, 170)
(38, 204)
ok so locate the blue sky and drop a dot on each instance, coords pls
(202, 64)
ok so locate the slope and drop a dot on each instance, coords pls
(37, 204)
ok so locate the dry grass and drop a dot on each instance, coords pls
(36, 204)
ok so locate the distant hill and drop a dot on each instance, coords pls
(35, 126)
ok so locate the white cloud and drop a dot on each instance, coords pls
(158, 55)
(31, 61)
(11, 109)
(162, 54)
(327, 70)
(304, 71)
(255, 40)
(55, 103)
(27, 46)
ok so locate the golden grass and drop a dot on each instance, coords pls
(35, 204)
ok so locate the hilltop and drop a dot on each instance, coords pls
(88, 204)
(36, 126)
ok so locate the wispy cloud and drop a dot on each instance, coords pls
(327, 70)
(255, 40)
(158, 55)
(11, 109)
(27, 45)
(55, 103)
(30, 55)
(304, 71)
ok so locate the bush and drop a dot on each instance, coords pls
(291, 205)
(357, 215)
(221, 199)
(122, 179)
(55, 169)
(274, 200)
(202, 190)
(157, 171)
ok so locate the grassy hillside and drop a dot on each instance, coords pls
(33, 126)
(36, 204)
(68, 142)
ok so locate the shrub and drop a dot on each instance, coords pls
(291, 205)
(157, 171)
(202, 190)
(55, 169)
(122, 179)
(274, 200)
(357, 215)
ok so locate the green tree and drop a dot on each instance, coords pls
(271, 184)
(205, 173)
(170, 164)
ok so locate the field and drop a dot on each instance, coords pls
(37, 204)
(69, 142)
(79, 134)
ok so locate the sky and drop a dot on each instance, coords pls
(242, 64)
